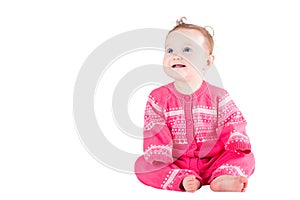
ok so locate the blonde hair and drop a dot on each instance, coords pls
(180, 24)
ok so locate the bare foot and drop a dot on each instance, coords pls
(191, 183)
(227, 183)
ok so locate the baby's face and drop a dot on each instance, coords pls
(186, 55)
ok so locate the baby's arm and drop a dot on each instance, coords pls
(157, 136)
(232, 126)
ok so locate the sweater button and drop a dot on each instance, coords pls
(187, 98)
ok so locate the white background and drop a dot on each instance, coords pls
(43, 46)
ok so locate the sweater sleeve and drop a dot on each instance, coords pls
(157, 136)
(232, 126)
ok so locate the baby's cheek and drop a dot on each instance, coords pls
(196, 61)
(165, 61)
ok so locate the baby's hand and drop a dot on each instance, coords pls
(191, 183)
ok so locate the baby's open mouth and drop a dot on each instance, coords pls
(178, 66)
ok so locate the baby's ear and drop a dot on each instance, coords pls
(210, 60)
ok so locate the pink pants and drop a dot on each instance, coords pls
(170, 176)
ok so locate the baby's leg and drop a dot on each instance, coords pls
(162, 176)
(228, 183)
(231, 172)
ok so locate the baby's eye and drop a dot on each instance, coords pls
(169, 50)
(187, 49)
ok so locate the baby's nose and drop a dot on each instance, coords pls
(177, 57)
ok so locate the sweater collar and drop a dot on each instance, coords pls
(188, 97)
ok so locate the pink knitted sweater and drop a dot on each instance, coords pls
(198, 125)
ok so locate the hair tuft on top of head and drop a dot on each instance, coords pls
(210, 30)
(180, 21)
